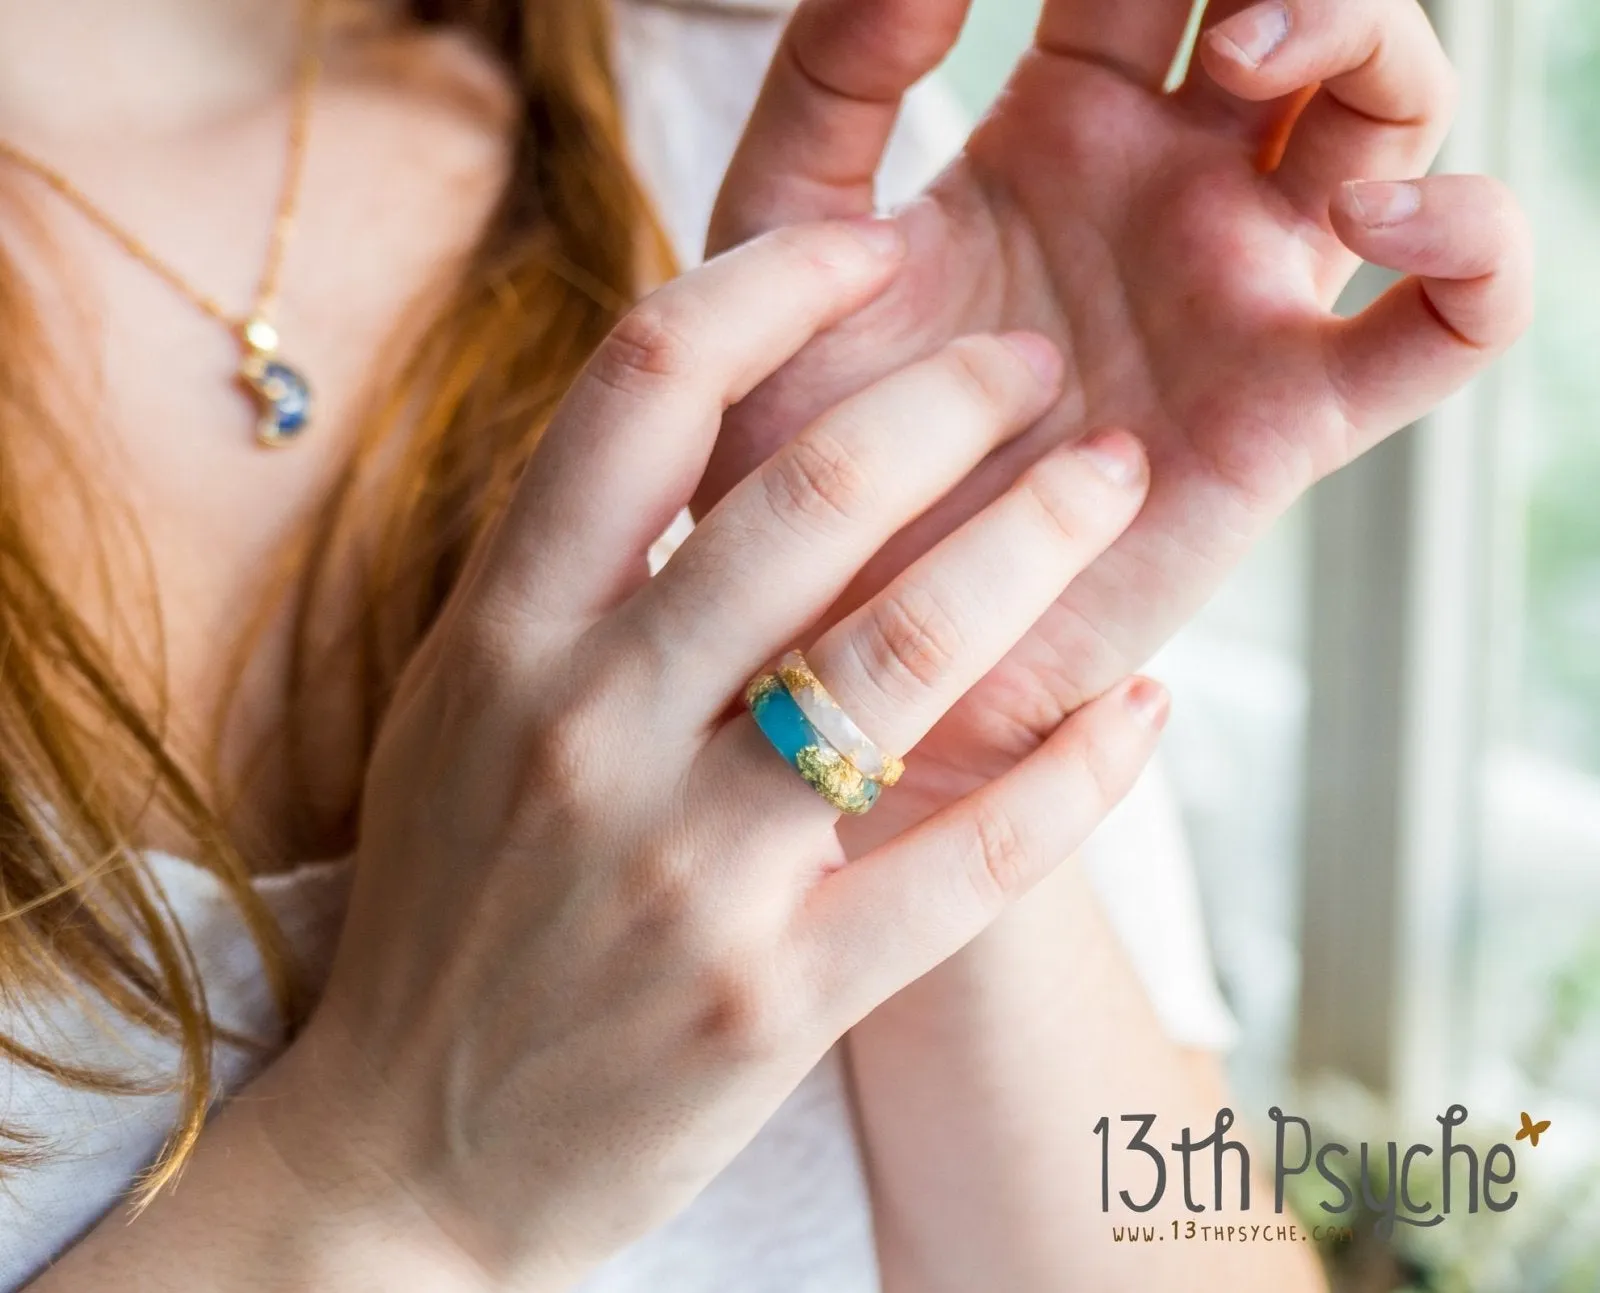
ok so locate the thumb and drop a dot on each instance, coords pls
(814, 141)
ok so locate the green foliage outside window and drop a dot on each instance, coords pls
(1562, 661)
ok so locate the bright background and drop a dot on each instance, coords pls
(1387, 730)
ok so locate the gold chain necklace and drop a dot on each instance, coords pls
(281, 392)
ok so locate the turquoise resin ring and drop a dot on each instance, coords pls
(824, 714)
(827, 771)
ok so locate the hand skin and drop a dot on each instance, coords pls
(279, 1198)
(1191, 294)
(598, 928)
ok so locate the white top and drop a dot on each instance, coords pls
(790, 1214)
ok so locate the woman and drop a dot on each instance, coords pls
(572, 980)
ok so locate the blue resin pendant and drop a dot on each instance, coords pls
(282, 392)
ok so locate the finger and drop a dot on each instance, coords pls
(1139, 41)
(889, 917)
(899, 663)
(770, 559)
(1467, 244)
(819, 128)
(1266, 125)
(633, 436)
(1387, 89)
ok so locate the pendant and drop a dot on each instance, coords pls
(281, 391)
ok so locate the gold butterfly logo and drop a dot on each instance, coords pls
(1531, 1130)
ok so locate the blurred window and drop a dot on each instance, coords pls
(1387, 730)
(1536, 936)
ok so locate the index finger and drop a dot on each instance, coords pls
(632, 438)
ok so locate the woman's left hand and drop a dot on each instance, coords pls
(1191, 292)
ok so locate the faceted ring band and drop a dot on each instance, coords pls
(806, 749)
(824, 714)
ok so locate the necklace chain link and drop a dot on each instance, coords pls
(267, 291)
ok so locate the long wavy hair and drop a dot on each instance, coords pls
(567, 248)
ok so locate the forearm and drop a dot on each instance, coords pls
(979, 1087)
(273, 1199)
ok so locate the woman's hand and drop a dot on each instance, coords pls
(599, 928)
(1190, 291)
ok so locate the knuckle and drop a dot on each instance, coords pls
(437, 716)
(1513, 229)
(985, 371)
(663, 895)
(1093, 766)
(817, 478)
(805, 250)
(911, 637)
(565, 752)
(651, 346)
(485, 651)
(743, 1013)
(1407, 50)
(1414, 33)
(1519, 311)
(1055, 489)
(1267, 468)
(1513, 242)
(1003, 865)
(892, 57)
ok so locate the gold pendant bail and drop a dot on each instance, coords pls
(261, 337)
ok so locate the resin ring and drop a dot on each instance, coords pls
(807, 750)
(824, 714)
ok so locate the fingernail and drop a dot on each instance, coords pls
(1116, 455)
(1039, 352)
(1379, 204)
(1149, 702)
(1253, 36)
(881, 235)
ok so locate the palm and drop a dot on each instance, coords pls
(1190, 295)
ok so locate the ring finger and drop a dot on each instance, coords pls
(777, 551)
(897, 664)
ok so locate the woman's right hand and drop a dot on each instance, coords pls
(599, 928)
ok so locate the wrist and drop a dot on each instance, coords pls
(366, 1218)
(340, 1218)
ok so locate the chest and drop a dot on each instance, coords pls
(404, 161)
